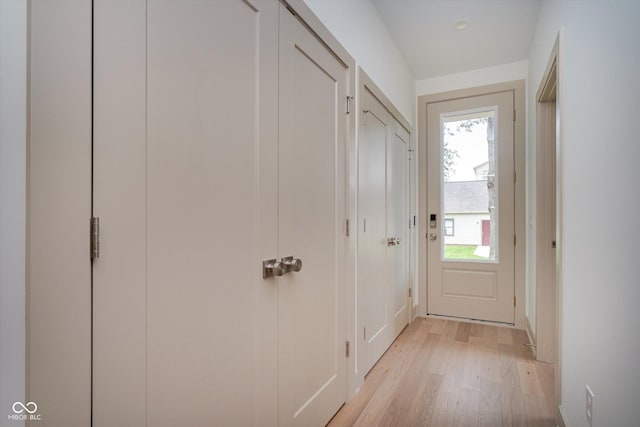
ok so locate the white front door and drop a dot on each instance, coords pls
(470, 201)
(311, 227)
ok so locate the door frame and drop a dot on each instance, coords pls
(546, 148)
(518, 89)
(548, 261)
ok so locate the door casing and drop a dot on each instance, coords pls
(518, 87)
(548, 297)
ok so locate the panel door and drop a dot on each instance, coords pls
(471, 180)
(398, 226)
(185, 185)
(383, 237)
(375, 297)
(312, 215)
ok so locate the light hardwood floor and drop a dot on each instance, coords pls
(447, 373)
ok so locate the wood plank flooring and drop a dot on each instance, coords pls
(446, 373)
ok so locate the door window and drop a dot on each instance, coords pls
(469, 185)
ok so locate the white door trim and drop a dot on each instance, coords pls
(518, 88)
(549, 265)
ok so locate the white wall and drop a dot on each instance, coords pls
(600, 148)
(358, 27)
(481, 77)
(13, 110)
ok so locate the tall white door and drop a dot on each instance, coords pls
(383, 221)
(185, 127)
(206, 163)
(311, 227)
(375, 299)
(471, 207)
(398, 226)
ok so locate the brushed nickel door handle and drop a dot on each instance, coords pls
(272, 268)
(291, 264)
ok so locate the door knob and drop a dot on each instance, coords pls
(393, 241)
(272, 268)
(433, 236)
(291, 264)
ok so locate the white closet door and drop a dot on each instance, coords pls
(375, 299)
(383, 230)
(312, 214)
(185, 185)
(398, 226)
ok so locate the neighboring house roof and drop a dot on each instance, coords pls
(483, 165)
(466, 196)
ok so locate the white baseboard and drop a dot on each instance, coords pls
(563, 417)
(532, 336)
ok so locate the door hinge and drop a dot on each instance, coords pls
(414, 220)
(410, 293)
(349, 99)
(514, 240)
(94, 231)
(364, 333)
(514, 301)
(347, 228)
(514, 115)
(514, 177)
(347, 349)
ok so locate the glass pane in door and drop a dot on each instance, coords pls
(469, 186)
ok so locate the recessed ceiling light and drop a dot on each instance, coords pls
(461, 24)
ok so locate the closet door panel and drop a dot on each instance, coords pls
(398, 225)
(119, 199)
(312, 213)
(383, 229)
(375, 298)
(184, 321)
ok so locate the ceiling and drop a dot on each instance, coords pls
(498, 32)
